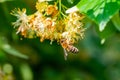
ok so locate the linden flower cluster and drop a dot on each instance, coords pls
(50, 22)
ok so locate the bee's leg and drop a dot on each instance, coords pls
(65, 54)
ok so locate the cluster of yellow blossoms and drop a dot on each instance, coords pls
(50, 22)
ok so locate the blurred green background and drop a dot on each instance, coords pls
(29, 59)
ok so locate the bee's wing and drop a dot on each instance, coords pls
(65, 54)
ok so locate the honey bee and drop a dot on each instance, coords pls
(68, 47)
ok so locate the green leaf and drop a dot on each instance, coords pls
(70, 1)
(2, 55)
(7, 48)
(1, 1)
(26, 72)
(107, 32)
(101, 11)
(116, 21)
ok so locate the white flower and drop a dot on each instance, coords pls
(44, 0)
(64, 34)
(73, 9)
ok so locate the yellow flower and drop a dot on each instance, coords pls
(41, 6)
(52, 10)
(48, 22)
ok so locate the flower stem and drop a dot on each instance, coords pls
(59, 5)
